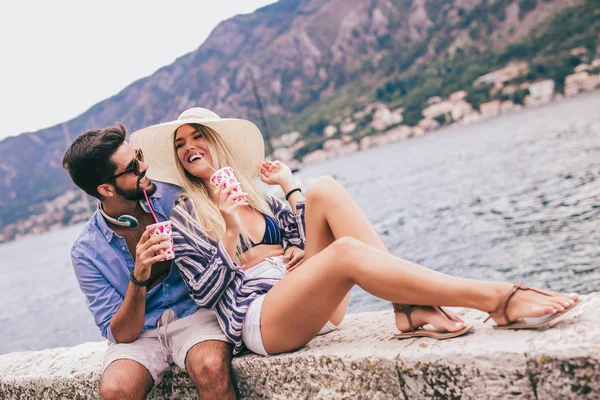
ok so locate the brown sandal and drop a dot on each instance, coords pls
(521, 324)
(420, 332)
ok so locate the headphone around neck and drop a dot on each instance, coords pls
(125, 220)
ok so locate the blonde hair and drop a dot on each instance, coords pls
(207, 213)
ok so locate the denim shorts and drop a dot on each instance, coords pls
(272, 267)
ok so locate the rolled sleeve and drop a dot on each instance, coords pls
(224, 255)
(292, 224)
(102, 299)
(300, 221)
(109, 335)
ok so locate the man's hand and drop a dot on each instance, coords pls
(295, 256)
(128, 322)
(145, 253)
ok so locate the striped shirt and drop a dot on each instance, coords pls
(213, 278)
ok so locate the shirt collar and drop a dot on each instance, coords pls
(107, 231)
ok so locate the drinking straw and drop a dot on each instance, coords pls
(209, 166)
(150, 206)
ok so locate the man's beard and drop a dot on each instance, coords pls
(137, 193)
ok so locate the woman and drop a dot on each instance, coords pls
(216, 233)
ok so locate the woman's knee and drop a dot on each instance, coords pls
(323, 188)
(347, 251)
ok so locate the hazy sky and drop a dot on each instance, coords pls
(59, 58)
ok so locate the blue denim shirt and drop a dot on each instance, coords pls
(102, 264)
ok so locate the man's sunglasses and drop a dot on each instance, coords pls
(134, 166)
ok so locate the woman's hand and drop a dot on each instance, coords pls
(228, 203)
(276, 173)
(295, 256)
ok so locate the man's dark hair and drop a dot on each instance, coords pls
(88, 158)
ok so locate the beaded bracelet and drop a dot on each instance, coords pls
(139, 283)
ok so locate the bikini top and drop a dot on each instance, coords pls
(272, 233)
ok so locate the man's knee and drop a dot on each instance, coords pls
(110, 390)
(213, 366)
(209, 362)
(125, 379)
(118, 388)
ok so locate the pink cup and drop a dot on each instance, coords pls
(225, 175)
(164, 228)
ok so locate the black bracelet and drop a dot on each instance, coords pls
(287, 196)
(139, 283)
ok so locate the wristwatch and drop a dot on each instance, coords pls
(139, 283)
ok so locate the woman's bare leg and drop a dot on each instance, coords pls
(319, 235)
(297, 307)
(300, 304)
(329, 204)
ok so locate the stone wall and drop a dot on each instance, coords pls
(362, 361)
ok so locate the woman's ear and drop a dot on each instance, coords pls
(106, 190)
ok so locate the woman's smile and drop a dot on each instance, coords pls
(195, 157)
(192, 152)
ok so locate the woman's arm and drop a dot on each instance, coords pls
(290, 221)
(287, 184)
(277, 173)
(204, 264)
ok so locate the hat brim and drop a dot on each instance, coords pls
(242, 137)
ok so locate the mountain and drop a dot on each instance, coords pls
(314, 61)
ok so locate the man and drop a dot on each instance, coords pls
(139, 302)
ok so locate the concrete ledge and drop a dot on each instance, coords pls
(361, 361)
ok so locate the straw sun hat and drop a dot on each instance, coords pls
(243, 138)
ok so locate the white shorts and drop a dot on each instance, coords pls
(272, 267)
(157, 349)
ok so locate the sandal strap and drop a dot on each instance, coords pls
(406, 310)
(515, 288)
(443, 312)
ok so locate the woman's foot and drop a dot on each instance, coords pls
(518, 301)
(422, 315)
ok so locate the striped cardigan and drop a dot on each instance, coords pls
(213, 278)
